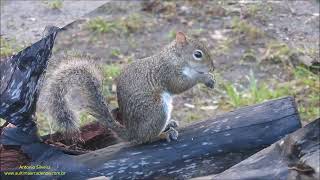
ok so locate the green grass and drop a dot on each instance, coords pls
(311, 51)
(305, 87)
(129, 24)
(101, 25)
(250, 32)
(6, 48)
(115, 52)
(191, 117)
(249, 55)
(253, 9)
(253, 94)
(132, 23)
(172, 34)
(277, 52)
(196, 32)
(9, 47)
(54, 4)
(225, 46)
(233, 95)
(110, 72)
(85, 118)
(307, 77)
(44, 125)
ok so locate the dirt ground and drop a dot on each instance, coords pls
(24, 21)
(261, 49)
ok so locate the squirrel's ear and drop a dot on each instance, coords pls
(181, 38)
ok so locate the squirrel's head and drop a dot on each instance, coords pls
(193, 53)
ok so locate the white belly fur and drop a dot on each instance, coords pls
(167, 104)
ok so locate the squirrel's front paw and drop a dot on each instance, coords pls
(210, 83)
(171, 134)
(208, 80)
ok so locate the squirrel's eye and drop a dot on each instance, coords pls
(197, 54)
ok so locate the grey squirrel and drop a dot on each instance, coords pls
(145, 89)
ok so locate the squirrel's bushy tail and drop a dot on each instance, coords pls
(82, 74)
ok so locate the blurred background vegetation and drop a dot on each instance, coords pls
(262, 49)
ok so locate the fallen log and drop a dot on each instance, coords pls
(206, 147)
(296, 156)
